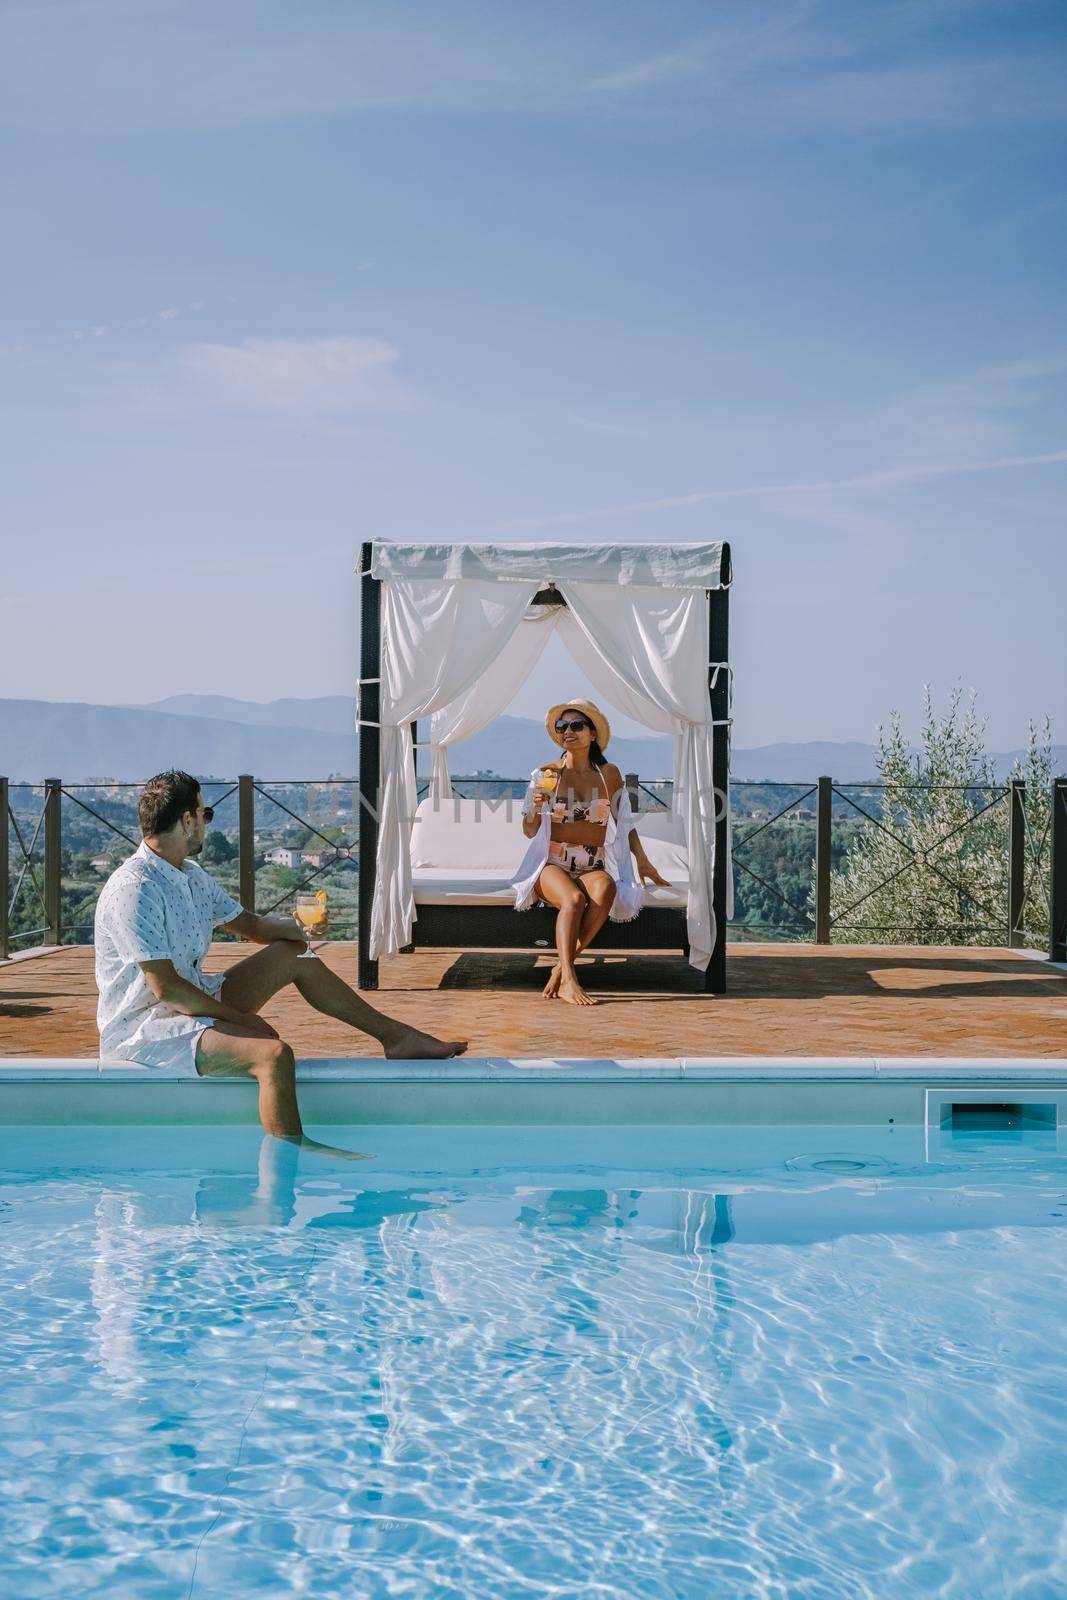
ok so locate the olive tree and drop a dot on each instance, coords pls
(930, 863)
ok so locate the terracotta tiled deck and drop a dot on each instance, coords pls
(784, 1000)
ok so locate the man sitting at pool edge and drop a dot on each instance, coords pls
(154, 922)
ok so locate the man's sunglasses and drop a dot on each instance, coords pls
(209, 813)
(571, 725)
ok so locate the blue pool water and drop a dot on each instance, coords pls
(585, 1363)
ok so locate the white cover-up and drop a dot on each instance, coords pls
(629, 893)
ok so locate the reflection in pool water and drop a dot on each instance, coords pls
(518, 1362)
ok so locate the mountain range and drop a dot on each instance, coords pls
(216, 736)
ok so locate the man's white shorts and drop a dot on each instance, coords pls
(175, 1056)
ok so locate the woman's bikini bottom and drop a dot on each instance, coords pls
(576, 858)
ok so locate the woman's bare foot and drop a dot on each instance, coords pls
(571, 990)
(411, 1045)
(551, 988)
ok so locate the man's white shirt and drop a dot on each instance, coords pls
(151, 911)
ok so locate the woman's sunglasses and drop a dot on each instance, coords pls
(571, 724)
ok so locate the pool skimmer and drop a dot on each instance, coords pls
(1022, 1119)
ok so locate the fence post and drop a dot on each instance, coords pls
(1057, 936)
(53, 860)
(370, 755)
(5, 876)
(1016, 863)
(246, 841)
(823, 838)
(633, 790)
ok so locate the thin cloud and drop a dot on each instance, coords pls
(608, 430)
(881, 478)
(795, 63)
(688, 62)
(721, 55)
(975, 415)
(326, 375)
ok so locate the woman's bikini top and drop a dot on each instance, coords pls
(594, 811)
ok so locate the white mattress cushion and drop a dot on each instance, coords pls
(466, 852)
(675, 894)
(468, 874)
(440, 889)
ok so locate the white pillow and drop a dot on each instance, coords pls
(669, 859)
(468, 833)
(661, 825)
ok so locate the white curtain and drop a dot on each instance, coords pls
(629, 700)
(438, 638)
(491, 695)
(647, 649)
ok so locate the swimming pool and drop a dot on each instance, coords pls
(496, 1362)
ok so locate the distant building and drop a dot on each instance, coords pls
(282, 856)
(320, 856)
(101, 863)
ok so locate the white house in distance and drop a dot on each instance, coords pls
(281, 856)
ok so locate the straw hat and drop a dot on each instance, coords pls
(592, 714)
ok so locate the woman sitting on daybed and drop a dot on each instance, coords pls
(578, 815)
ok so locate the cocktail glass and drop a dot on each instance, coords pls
(311, 914)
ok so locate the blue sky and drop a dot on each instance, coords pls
(280, 278)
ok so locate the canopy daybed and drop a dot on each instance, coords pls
(451, 632)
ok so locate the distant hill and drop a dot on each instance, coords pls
(332, 713)
(803, 763)
(73, 741)
(76, 742)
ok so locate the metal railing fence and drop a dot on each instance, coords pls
(911, 857)
(792, 843)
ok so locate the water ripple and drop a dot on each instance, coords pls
(492, 1389)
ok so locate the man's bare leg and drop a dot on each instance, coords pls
(224, 1051)
(251, 983)
(600, 888)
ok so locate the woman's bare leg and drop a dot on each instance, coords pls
(600, 890)
(561, 891)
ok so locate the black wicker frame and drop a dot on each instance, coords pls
(504, 928)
